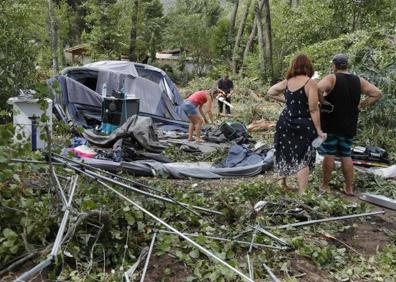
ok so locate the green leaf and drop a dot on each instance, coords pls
(130, 219)
(194, 254)
(9, 234)
(10, 81)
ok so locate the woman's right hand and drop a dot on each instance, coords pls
(322, 135)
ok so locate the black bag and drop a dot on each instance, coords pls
(234, 130)
(370, 153)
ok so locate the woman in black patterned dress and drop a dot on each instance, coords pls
(299, 122)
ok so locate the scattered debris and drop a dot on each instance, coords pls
(309, 222)
(379, 200)
(260, 125)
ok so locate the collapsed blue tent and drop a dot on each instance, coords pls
(81, 90)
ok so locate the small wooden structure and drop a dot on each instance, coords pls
(77, 54)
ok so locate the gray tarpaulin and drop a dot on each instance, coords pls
(138, 127)
(80, 94)
(115, 66)
(149, 93)
(177, 170)
(157, 94)
(183, 170)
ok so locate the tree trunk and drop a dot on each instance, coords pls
(54, 37)
(268, 39)
(235, 54)
(251, 38)
(232, 27)
(260, 37)
(132, 44)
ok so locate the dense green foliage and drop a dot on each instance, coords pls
(18, 49)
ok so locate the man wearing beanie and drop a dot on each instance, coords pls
(341, 92)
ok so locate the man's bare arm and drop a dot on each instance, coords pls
(370, 90)
(325, 86)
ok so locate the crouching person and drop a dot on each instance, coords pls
(192, 106)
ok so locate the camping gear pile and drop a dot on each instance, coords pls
(131, 114)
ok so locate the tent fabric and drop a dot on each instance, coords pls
(81, 90)
(241, 156)
(139, 128)
(180, 170)
(115, 66)
(159, 76)
(78, 93)
(149, 94)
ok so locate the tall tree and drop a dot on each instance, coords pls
(232, 24)
(150, 28)
(105, 31)
(133, 38)
(191, 27)
(235, 53)
(268, 39)
(54, 37)
(260, 36)
(252, 36)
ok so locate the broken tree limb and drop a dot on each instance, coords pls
(260, 125)
(310, 222)
(330, 237)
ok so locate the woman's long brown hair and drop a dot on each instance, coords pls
(300, 65)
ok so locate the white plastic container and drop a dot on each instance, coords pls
(317, 142)
(25, 110)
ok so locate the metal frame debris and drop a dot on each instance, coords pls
(310, 222)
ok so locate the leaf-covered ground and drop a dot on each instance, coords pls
(363, 249)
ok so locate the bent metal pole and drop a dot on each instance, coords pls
(59, 236)
(82, 164)
(309, 222)
(270, 273)
(125, 186)
(138, 184)
(256, 245)
(205, 251)
(148, 257)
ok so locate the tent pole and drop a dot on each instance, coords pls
(148, 257)
(229, 240)
(309, 222)
(125, 186)
(59, 236)
(131, 181)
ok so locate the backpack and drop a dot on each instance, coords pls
(234, 130)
